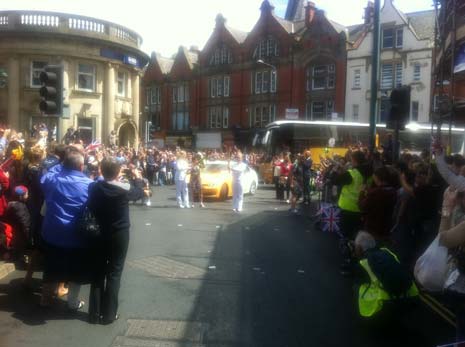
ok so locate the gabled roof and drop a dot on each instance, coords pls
(238, 35)
(422, 23)
(165, 64)
(192, 58)
(287, 25)
(355, 31)
(338, 27)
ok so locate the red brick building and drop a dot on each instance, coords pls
(242, 81)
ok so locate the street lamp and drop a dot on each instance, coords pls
(262, 62)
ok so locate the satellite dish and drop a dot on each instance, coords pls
(332, 142)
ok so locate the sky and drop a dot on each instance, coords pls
(166, 24)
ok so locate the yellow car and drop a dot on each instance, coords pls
(217, 180)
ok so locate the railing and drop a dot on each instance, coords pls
(67, 24)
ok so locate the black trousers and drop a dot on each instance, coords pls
(104, 290)
(307, 189)
(351, 223)
(150, 173)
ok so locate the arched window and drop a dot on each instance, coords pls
(267, 47)
(221, 55)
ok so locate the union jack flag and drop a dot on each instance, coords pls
(330, 219)
(93, 146)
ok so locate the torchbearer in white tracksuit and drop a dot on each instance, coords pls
(237, 171)
(182, 193)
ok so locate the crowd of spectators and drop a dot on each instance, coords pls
(387, 214)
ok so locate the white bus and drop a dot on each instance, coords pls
(295, 136)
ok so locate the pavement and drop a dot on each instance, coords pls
(211, 277)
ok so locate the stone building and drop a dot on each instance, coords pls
(102, 69)
(405, 59)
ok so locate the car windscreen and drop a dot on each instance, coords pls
(215, 167)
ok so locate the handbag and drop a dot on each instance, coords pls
(88, 226)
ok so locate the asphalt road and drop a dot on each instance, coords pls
(210, 277)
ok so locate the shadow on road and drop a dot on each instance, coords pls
(283, 288)
(19, 300)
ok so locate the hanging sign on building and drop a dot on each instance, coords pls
(292, 113)
(459, 64)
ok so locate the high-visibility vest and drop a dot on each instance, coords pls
(371, 296)
(348, 200)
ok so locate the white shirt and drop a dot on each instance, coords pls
(181, 170)
(237, 170)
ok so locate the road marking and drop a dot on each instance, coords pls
(438, 308)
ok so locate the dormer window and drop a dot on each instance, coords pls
(266, 48)
(393, 37)
(221, 56)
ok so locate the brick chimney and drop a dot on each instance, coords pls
(310, 11)
(369, 12)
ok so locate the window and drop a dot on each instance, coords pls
(180, 93)
(155, 96)
(221, 55)
(218, 117)
(36, 68)
(356, 78)
(319, 110)
(393, 38)
(386, 76)
(261, 115)
(355, 111)
(388, 38)
(180, 109)
(265, 81)
(121, 81)
(219, 86)
(86, 77)
(266, 48)
(399, 37)
(273, 81)
(398, 77)
(415, 109)
(417, 72)
(323, 77)
(357, 73)
(226, 85)
(391, 75)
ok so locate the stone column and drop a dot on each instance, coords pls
(135, 79)
(13, 93)
(109, 102)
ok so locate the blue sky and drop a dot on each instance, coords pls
(167, 24)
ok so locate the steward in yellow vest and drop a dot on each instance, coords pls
(351, 182)
(388, 281)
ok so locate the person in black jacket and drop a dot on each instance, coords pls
(108, 201)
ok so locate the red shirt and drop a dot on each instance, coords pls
(285, 169)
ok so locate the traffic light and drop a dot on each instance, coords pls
(400, 108)
(51, 91)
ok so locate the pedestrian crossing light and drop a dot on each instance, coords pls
(51, 91)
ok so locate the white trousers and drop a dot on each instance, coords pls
(238, 195)
(182, 193)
